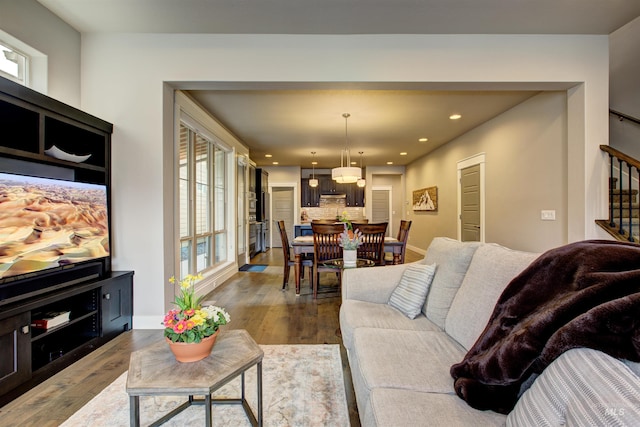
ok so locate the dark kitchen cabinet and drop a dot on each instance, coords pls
(310, 197)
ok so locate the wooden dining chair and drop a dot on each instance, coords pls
(403, 236)
(372, 247)
(325, 247)
(323, 221)
(306, 260)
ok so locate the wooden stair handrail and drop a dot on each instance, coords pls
(620, 155)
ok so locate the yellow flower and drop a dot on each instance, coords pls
(197, 319)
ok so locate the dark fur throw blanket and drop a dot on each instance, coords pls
(584, 294)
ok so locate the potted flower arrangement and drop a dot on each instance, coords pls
(349, 240)
(191, 327)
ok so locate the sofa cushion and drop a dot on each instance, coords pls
(452, 258)
(491, 269)
(410, 294)
(357, 314)
(410, 360)
(581, 387)
(393, 407)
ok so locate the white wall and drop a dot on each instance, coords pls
(526, 171)
(129, 92)
(35, 25)
(624, 84)
(624, 45)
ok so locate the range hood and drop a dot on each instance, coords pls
(333, 200)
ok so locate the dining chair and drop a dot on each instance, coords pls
(306, 260)
(326, 246)
(372, 247)
(323, 221)
(403, 236)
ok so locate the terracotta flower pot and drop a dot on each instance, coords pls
(192, 352)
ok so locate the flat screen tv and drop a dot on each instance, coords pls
(48, 224)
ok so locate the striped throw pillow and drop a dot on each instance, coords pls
(409, 296)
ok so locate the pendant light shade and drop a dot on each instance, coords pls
(313, 182)
(346, 174)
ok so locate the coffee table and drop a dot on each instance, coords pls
(153, 371)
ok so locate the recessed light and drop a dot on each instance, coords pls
(276, 163)
(404, 153)
(455, 116)
(268, 155)
(423, 139)
(389, 163)
(354, 163)
(314, 163)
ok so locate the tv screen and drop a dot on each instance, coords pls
(47, 223)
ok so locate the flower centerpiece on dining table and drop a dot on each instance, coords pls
(350, 240)
(191, 327)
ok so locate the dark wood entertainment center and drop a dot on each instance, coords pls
(100, 301)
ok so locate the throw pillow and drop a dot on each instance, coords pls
(410, 294)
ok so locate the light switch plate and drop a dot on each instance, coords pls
(548, 215)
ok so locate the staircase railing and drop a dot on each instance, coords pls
(624, 209)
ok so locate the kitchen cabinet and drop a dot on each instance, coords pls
(310, 197)
(252, 180)
(326, 184)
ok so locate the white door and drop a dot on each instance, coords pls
(282, 202)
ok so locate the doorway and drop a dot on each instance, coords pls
(283, 210)
(381, 198)
(241, 220)
(471, 199)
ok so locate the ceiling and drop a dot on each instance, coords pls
(292, 120)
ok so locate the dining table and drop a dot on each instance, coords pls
(304, 245)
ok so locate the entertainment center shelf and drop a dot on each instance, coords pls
(58, 255)
(30, 129)
(99, 310)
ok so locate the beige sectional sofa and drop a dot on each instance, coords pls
(400, 366)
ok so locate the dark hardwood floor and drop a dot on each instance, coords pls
(255, 302)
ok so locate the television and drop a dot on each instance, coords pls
(48, 226)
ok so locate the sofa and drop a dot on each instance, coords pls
(401, 366)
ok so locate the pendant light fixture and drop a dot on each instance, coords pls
(361, 182)
(346, 174)
(313, 182)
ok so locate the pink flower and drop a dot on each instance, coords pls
(180, 327)
(190, 324)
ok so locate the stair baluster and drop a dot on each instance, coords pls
(630, 238)
(624, 195)
(612, 186)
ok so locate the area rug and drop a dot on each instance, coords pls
(302, 386)
(254, 268)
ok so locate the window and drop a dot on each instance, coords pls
(202, 202)
(13, 64)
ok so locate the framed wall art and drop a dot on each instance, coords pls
(425, 199)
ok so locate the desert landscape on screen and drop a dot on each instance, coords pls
(49, 223)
